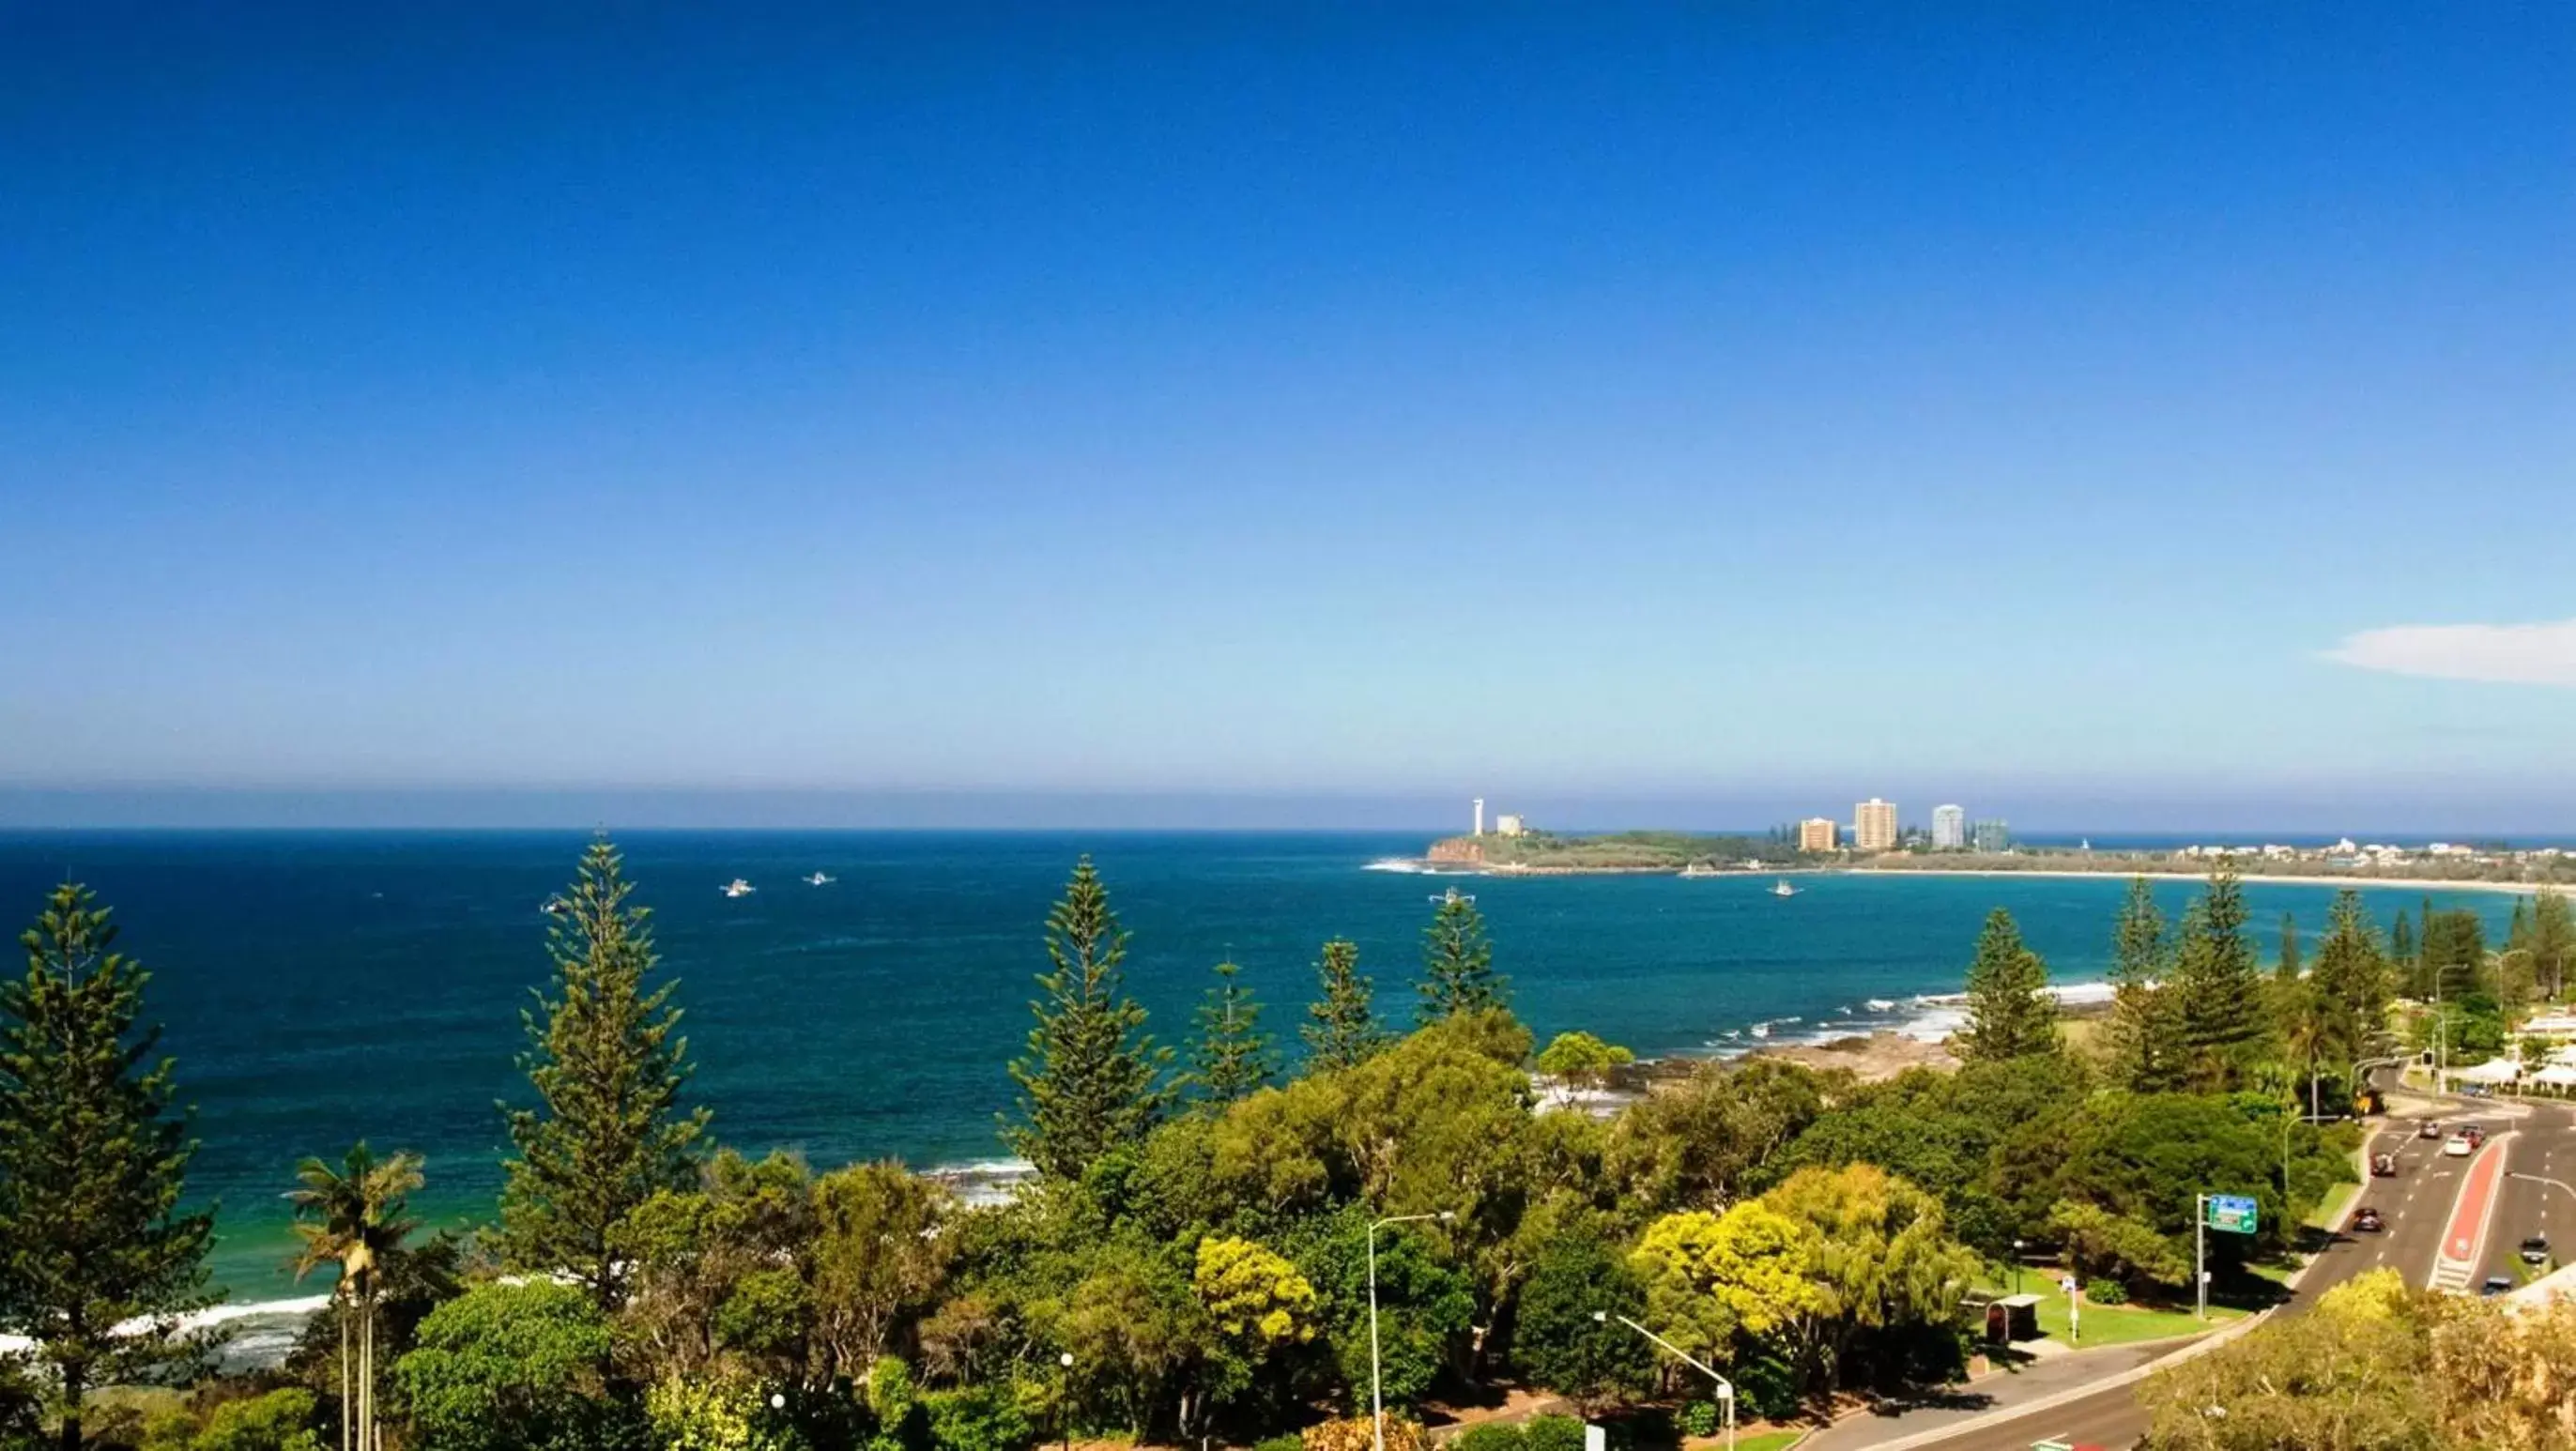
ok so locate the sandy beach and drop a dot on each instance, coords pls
(2315, 879)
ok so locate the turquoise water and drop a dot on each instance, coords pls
(322, 987)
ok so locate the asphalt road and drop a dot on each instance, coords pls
(2417, 1204)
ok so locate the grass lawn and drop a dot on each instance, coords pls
(2336, 1198)
(1767, 1441)
(2118, 1324)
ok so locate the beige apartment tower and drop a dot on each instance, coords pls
(1874, 825)
(1818, 833)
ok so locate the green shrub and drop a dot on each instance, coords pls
(1699, 1418)
(282, 1420)
(1490, 1436)
(979, 1418)
(1290, 1442)
(2107, 1292)
(1552, 1433)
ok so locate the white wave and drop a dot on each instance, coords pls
(1395, 864)
(1881, 1005)
(299, 1308)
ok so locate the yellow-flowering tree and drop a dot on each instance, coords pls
(1256, 1297)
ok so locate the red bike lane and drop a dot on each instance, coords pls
(2465, 1236)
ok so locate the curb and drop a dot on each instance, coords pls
(1991, 1419)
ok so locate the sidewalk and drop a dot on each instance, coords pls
(2000, 1391)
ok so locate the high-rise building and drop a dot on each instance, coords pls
(1990, 836)
(1480, 816)
(1874, 825)
(1510, 824)
(1949, 828)
(1818, 833)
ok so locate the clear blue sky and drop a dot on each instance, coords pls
(1707, 413)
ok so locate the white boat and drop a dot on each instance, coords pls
(1454, 895)
(738, 888)
(1781, 888)
(819, 879)
(554, 906)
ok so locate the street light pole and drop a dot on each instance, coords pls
(1725, 1387)
(1377, 1388)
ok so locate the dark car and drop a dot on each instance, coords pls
(2535, 1250)
(2430, 1130)
(2473, 1134)
(2497, 1285)
(2383, 1166)
(2367, 1220)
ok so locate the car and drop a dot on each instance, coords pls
(2383, 1166)
(2535, 1250)
(2497, 1285)
(2431, 1130)
(2367, 1220)
(2473, 1134)
(2458, 1146)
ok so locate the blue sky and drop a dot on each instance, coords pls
(1699, 413)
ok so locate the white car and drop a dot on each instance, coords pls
(2457, 1146)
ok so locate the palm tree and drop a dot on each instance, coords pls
(352, 1217)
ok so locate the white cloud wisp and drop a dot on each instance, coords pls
(2543, 654)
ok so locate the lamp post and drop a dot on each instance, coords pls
(1377, 1387)
(1725, 1387)
(2016, 1267)
(1064, 1411)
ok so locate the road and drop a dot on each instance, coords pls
(2417, 1204)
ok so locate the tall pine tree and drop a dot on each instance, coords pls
(2144, 1031)
(2219, 988)
(1343, 1028)
(1091, 1078)
(2350, 982)
(2553, 942)
(2287, 966)
(1231, 1055)
(608, 1066)
(1458, 963)
(2010, 1012)
(97, 1263)
(2401, 950)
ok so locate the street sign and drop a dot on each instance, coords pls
(2232, 1213)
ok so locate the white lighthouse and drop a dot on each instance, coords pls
(1480, 816)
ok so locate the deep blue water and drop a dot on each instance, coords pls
(322, 987)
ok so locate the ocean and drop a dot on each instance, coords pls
(318, 988)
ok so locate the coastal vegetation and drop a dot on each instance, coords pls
(1625, 851)
(1213, 1245)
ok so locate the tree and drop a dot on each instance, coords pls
(352, 1217)
(2349, 990)
(879, 1258)
(2552, 942)
(1458, 963)
(2351, 1375)
(2287, 967)
(511, 1367)
(1710, 1276)
(1231, 1056)
(1256, 1297)
(2098, 1242)
(2010, 1012)
(2401, 947)
(1558, 1344)
(2220, 992)
(1581, 1060)
(97, 1262)
(2454, 953)
(608, 1066)
(1344, 1027)
(1089, 1078)
(1885, 1265)
(2145, 1028)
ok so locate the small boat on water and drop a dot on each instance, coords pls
(554, 906)
(819, 879)
(738, 888)
(1781, 888)
(1454, 895)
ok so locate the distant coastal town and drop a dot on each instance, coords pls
(1876, 840)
